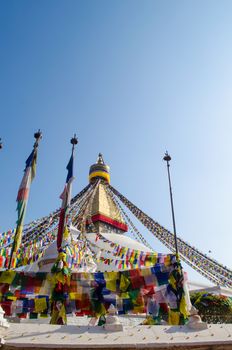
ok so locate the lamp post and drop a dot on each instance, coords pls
(167, 159)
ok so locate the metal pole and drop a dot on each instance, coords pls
(1, 145)
(64, 210)
(167, 158)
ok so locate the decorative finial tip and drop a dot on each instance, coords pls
(38, 135)
(100, 159)
(74, 140)
(167, 157)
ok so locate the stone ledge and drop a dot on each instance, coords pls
(42, 336)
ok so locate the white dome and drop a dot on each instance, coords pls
(104, 248)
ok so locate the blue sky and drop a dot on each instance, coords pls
(131, 79)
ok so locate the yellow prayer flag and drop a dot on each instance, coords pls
(111, 279)
(125, 295)
(100, 311)
(146, 272)
(18, 237)
(57, 314)
(167, 260)
(154, 258)
(172, 281)
(60, 277)
(138, 309)
(40, 304)
(173, 318)
(66, 233)
(124, 283)
(62, 314)
(73, 296)
(183, 307)
(7, 276)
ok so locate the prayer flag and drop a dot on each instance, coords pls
(66, 199)
(40, 304)
(22, 199)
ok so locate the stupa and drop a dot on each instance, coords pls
(101, 267)
(100, 209)
(105, 227)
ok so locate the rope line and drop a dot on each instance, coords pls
(208, 267)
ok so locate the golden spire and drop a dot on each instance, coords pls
(99, 170)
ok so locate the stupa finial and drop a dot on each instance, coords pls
(99, 170)
(100, 159)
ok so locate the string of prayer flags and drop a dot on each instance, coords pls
(33, 294)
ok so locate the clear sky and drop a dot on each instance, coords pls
(132, 79)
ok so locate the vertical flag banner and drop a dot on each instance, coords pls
(22, 198)
(66, 198)
(61, 269)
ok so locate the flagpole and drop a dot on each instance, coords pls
(167, 158)
(66, 197)
(177, 274)
(58, 310)
(25, 194)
